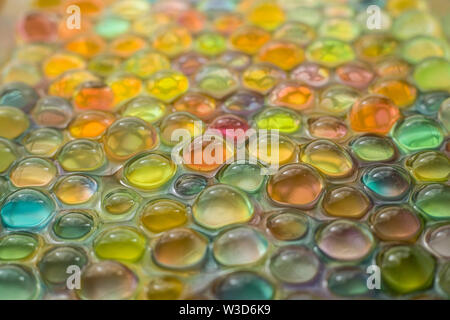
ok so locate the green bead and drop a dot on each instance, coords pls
(373, 148)
(73, 225)
(406, 269)
(330, 52)
(415, 23)
(418, 49)
(417, 133)
(245, 176)
(433, 74)
(433, 201)
(17, 283)
(283, 120)
(244, 285)
(210, 44)
(112, 27)
(17, 246)
(348, 282)
(444, 279)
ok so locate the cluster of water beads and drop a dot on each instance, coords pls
(87, 119)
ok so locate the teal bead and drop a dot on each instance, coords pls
(18, 283)
(26, 208)
(348, 282)
(387, 182)
(417, 133)
(244, 285)
(429, 103)
(73, 225)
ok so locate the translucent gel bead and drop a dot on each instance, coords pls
(444, 114)
(429, 166)
(13, 122)
(188, 185)
(420, 48)
(75, 189)
(432, 201)
(396, 224)
(189, 63)
(417, 133)
(16, 71)
(179, 120)
(164, 288)
(283, 54)
(355, 74)
(192, 19)
(221, 205)
(239, 246)
(406, 269)
(415, 23)
(289, 225)
(438, 240)
(295, 184)
(81, 155)
(433, 74)
(444, 279)
(167, 85)
(26, 208)
(272, 149)
(216, 80)
(104, 65)
(281, 119)
(346, 202)
(127, 45)
(33, 52)
(375, 47)
(18, 283)
(93, 96)
(145, 108)
(73, 225)
(400, 92)
(210, 44)
(120, 202)
(226, 23)
(54, 263)
(144, 63)
(230, 126)
(91, 124)
(120, 243)
(130, 9)
(266, 14)
(431, 103)
(372, 148)
(349, 282)
(124, 87)
(328, 158)
(294, 265)
(292, 94)
(65, 85)
(243, 103)
(374, 114)
(392, 67)
(311, 74)
(335, 239)
(172, 40)
(146, 25)
(397, 7)
(86, 46)
(262, 77)
(297, 32)
(59, 63)
(32, 172)
(127, 137)
(163, 214)
(387, 182)
(149, 171)
(111, 27)
(107, 280)
(328, 128)
(245, 176)
(19, 95)
(243, 285)
(206, 153)
(249, 39)
(53, 112)
(8, 154)
(196, 104)
(329, 52)
(339, 28)
(338, 99)
(180, 249)
(37, 27)
(18, 246)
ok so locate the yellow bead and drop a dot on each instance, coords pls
(163, 214)
(172, 40)
(122, 243)
(267, 15)
(165, 288)
(167, 85)
(59, 63)
(13, 122)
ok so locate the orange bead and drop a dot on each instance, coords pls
(94, 95)
(249, 39)
(400, 92)
(293, 95)
(91, 124)
(86, 45)
(197, 104)
(283, 54)
(374, 114)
